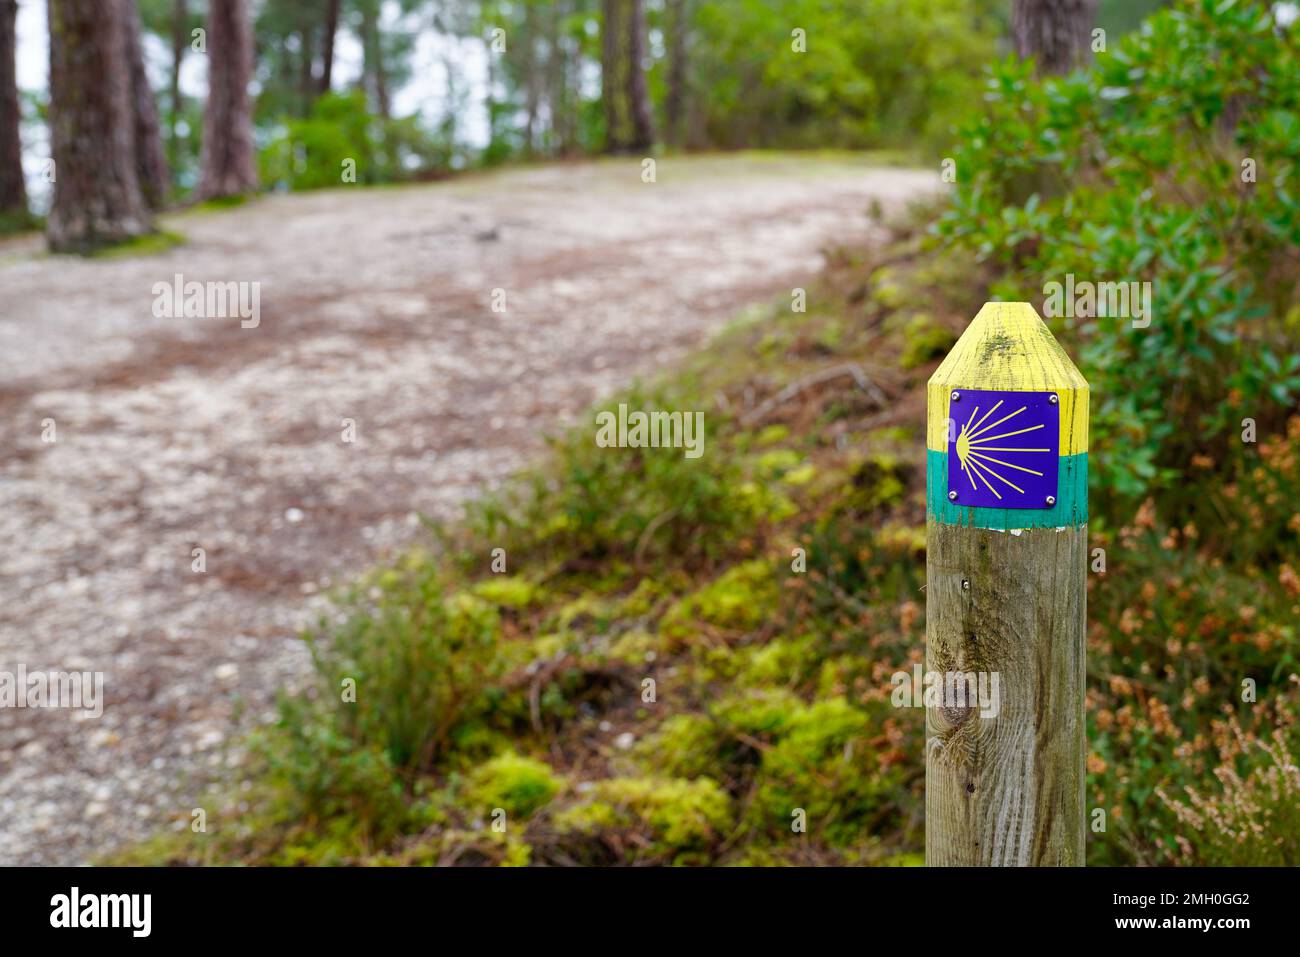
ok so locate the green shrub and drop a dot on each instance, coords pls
(1134, 171)
(909, 76)
(311, 152)
(609, 504)
(420, 662)
(350, 791)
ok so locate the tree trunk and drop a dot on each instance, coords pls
(97, 198)
(557, 79)
(150, 163)
(529, 66)
(374, 76)
(675, 99)
(381, 79)
(307, 67)
(180, 39)
(613, 62)
(229, 167)
(1056, 33)
(643, 130)
(13, 191)
(331, 29)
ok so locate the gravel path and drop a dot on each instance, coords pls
(375, 305)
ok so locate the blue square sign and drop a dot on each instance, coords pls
(1003, 448)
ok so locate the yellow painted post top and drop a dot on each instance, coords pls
(1008, 348)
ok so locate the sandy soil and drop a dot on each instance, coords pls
(175, 433)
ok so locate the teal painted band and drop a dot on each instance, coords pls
(1071, 506)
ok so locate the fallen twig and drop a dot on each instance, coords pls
(817, 378)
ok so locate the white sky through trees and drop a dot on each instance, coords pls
(425, 93)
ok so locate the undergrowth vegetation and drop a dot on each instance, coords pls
(632, 657)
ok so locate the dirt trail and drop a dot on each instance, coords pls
(173, 434)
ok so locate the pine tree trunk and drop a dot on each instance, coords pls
(675, 98)
(529, 67)
(613, 63)
(381, 78)
(381, 73)
(180, 19)
(13, 191)
(374, 78)
(97, 198)
(307, 65)
(331, 30)
(229, 166)
(643, 130)
(150, 163)
(1056, 33)
(557, 80)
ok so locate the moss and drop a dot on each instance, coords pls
(221, 202)
(877, 481)
(483, 847)
(635, 647)
(161, 850)
(507, 591)
(588, 611)
(826, 763)
(763, 502)
(551, 644)
(780, 661)
(831, 337)
(925, 340)
(892, 435)
(800, 476)
(737, 601)
(774, 463)
(684, 745)
(647, 594)
(761, 713)
(771, 435)
(151, 244)
(906, 540)
(886, 291)
(518, 784)
(652, 819)
(912, 859)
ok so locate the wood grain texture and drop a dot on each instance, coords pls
(1007, 790)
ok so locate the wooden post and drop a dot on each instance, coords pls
(1007, 526)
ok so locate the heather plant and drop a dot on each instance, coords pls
(1250, 818)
